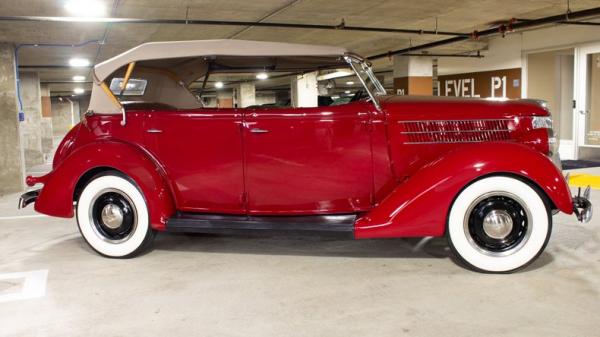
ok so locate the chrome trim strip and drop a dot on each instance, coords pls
(457, 120)
(458, 141)
(454, 131)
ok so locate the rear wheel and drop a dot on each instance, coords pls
(499, 224)
(112, 216)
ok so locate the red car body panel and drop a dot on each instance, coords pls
(309, 160)
(419, 206)
(342, 159)
(201, 152)
(94, 150)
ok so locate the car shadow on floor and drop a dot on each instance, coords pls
(423, 248)
(434, 248)
(304, 246)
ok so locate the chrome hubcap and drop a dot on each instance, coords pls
(112, 216)
(497, 224)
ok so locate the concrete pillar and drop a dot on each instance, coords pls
(46, 123)
(245, 95)
(65, 114)
(225, 98)
(305, 91)
(31, 127)
(413, 75)
(11, 156)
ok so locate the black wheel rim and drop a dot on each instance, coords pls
(114, 231)
(505, 205)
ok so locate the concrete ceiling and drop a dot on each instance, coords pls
(452, 15)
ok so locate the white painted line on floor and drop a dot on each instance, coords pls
(34, 285)
(22, 217)
(45, 245)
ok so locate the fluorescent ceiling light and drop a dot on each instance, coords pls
(336, 74)
(78, 78)
(78, 91)
(86, 8)
(347, 92)
(79, 62)
(349, 83)
(262, 76)
(219, 85)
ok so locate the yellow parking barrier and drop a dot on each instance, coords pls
(584, 180)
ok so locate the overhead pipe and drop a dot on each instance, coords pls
(60, 66)
(341, 26)
(51, 66)
(575, 23)
(17, 67)
(478, 55)
(580, 23)
(502, 29)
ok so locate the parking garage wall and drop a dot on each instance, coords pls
(31, 127)
(11, 157)
(507, 52)
(63, 118)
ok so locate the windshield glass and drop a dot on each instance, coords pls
(371, 82)
(273, 89)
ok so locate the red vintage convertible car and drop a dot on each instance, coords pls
(154, 153)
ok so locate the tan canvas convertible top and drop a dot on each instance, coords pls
(176, 64)
(199, 48)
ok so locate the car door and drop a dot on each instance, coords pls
(308, 160)
(201, 152)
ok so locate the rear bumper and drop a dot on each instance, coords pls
(28, 198)
(582, 207)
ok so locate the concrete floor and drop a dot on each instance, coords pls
(248, 286)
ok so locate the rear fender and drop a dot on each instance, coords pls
(419, 206)
(56, 197)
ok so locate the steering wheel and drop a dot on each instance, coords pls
(360, 94)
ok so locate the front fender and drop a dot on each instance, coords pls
(419, 206)
(56, 197)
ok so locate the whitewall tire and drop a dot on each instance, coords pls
(499, 224)
(112, 216)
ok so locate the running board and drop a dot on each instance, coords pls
(319, 225)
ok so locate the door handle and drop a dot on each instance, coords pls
(154, 131)
(257, 130)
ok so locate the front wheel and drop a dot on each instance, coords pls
(499, 224)
(113, 217)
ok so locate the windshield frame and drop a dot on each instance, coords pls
(365, 66)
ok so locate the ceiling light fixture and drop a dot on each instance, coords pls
(262, 76)
(347, 92)
(79, 62)
(78, 78)
(86, 8)
(219, 85)
(349, 83)
(78, 91)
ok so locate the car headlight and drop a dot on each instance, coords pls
(545, 122)
(539, 122)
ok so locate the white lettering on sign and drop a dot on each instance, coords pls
(460, 88)
(400, 92)
(498, 83)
